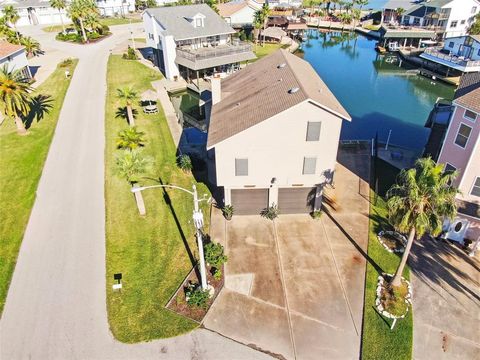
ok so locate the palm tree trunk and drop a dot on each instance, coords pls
(396, 281)
(20, 126)
(131, 120)
(17, 34)
(264, 26)
(61, 19)
(84, 35)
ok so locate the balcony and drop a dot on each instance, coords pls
(212, 56)
(452, 61)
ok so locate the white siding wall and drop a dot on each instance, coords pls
(461, 10)
(41, 15)
(115, 7)
(16, 61)
(241, 17)
(276, 148)
(459, 41)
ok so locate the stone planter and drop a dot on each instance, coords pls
(408, 298)
(396, 235)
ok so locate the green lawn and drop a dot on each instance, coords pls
(261, 51)
(21, 163)
(378, 341)
(148, 251)
(109, 21)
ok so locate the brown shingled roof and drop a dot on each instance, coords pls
(468, 93)
(263, 90)
(230, 8)
(7, 49)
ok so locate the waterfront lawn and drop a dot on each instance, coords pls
(262, 51)
(148, 251)
(378, 341)
(21, 163)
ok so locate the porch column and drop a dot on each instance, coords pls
(198, 80)
(317, 205)
(227, 195)
(405, 43)
(273, 195)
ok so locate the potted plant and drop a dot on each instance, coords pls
(228, 212)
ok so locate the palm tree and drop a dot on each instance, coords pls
(128, 96)
(422, 197)
(11, 15)
(345, 19)
(265, 12)
(130, 138)
(131, 164)
(79, 11)
(257, 25)
(32, 46)
(59, 5)
(400, 12)
(361, 4)
(15, 96)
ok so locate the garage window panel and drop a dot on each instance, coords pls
(241, 167)
(309, 165)
(313, 130)
(476, 187)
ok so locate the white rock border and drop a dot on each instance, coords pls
(403, 239)
(378, 304)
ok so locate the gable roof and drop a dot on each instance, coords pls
(263, 90)
(230, 8)
(174, 19)
(7, 49)
(395, 4)
(468, 92)
(437, 3)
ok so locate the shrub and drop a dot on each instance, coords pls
(196, 296)
(66, 63)
(228, 212)
(185, 163)
(271, 212)
(317, 214)
(214, 254)
(130, 54)
(130, 138)
(217, 275)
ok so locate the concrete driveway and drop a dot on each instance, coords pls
(294, 287)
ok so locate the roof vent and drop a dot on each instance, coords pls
(293, 90)
(281, 66)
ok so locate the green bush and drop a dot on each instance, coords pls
(271, 212)
(217, 275)
(317, 214)
(185, 163)
(66, 63)
(214, 254)
(69, 37)
(196, 296)
(228, 211)
(130, 54)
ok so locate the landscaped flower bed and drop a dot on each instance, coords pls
(178, 302)
(393, 302)
(92, 37)
(392, 241)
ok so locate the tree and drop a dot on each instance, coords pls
(399, 11)
(131, 164)
(15, 96)
(475, 28)
(422, 197)
(257, 25)
(11, 15)
(212, 4)
(265, 12)
(361, 4)
(128, 96)
(345, 19)
(59, 5)
(130, 138)
(81, 11)
(32, 46)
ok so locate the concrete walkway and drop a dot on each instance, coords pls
(56, 305)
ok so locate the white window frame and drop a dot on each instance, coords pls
(456, 135)
(467, 118)
(474, 186)
(303, 166)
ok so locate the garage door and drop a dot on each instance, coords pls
(296, 200)
(249, 201)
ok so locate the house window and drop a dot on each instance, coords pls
(462, 22)
(449, 168)
(416, 21)
(478, 53)
(474, 10)
(451, 44)
(470, 115)
(476, 187)
(313, 131)
(309, 165)
(241, 167)
(453, 24)
(463, 135)
(198, 22)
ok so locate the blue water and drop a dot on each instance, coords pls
(379, 95)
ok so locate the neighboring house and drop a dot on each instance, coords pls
(34, 12)
(390, 10)
(458, 53)
(273, 135)
(238, 13)
(14, 57)
(115, 7)
(449, 18)
(461, 152)
(193, 41)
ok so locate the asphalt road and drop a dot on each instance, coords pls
(56, 305)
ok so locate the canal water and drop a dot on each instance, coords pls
(379, 91)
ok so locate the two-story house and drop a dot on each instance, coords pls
(461, 152)
(273, 136)
(34, 12)
(115, 7)
(449, 18)
(193, 41)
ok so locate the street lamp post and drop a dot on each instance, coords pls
(197, 220)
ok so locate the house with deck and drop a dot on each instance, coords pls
(458, 55)
(15, 58)
(273, 136)
(460, 151)
(193, 42)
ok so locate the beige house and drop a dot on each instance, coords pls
(273, 136)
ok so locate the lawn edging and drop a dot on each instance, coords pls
(378, 341)
(21, 161)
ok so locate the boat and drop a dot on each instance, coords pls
(380, 49)
(393, 46)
